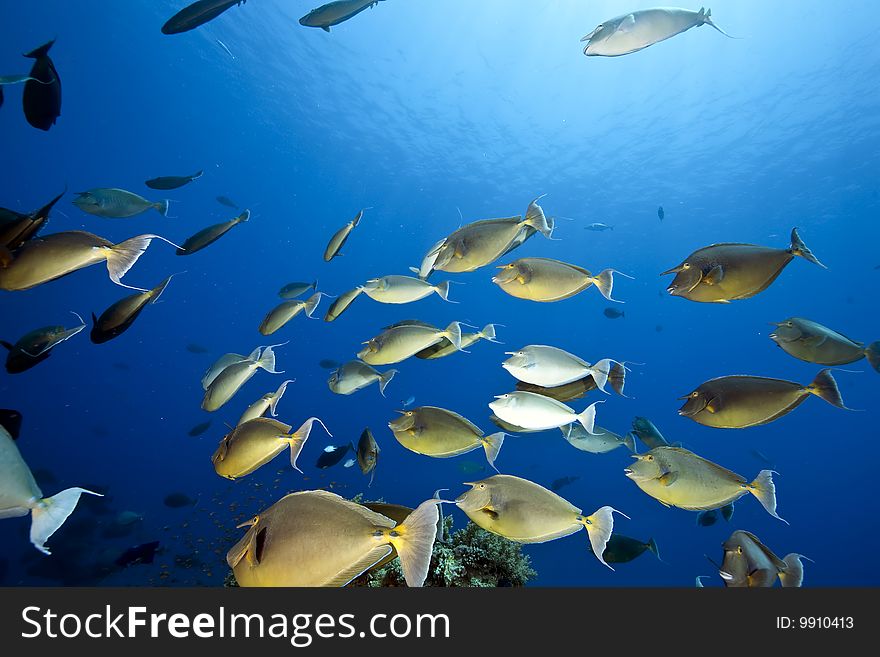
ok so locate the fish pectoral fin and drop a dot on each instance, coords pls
(490, 512)
(715, 275)
(668, 478)
(626, 25)
(814, 340)
(360, 566)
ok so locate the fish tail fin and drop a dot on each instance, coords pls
(765, 490)
(793, 575)
(298, 438)
(267, 360)
(600, 372)
(197, 175)
(617, 377)
(414, 541)
(872, 353)
(51, 514)
(604, 282)
(443, 290)
(599, 527)
(244, 216)
(652, 547)
(453, 332)
(825, 386)
(384, 379)
(539, 222)
(311, 303)
(706, 16)
(630, 443)
(488, 332)
(160, 288)
(162, 207)
(799, 248)
(588, 418)
(121, 257)
(492, 445)
(41, 51)
(278, 395)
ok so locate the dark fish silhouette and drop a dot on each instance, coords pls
(121, 315)
(11, 421)
(17, 228)
(171, 182)
(36, 346)
(334, 13)
(332, 455)
(178, 500)
(199, 429)
(329, 364)
(42, 95)
(368, 454)
(612, 313)
(562, 482)
(196, 14)
(194, 348)
(139, 554)
(211, 234)
(707, 518)
(660, 213)
(228, 202)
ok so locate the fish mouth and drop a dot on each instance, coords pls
(672, 289)
(628, 472)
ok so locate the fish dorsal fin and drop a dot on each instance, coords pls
(360, 566)
(777, 562)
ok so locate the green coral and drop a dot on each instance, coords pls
(471, 557)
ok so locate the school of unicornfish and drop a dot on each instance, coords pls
(316, 537)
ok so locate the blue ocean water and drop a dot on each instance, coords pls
(420, 110)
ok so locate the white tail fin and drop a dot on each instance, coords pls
(488, 332)
(604, 282)
(599, 527)
(384, 379)
(267, 359)
(793, 575)
(492, 445)
(765, 490)
(121, 257)
(162, 207)
(414, 541)
(51, 514)
(453, 332)
(443, 291)
(600, 372)
(588, 418)
(278, 395)
(299, 437)
(312, 303)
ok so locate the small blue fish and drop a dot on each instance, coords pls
(408, 402)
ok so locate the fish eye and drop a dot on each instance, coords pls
(789, 324)
(694, 394)
(649, 458)
(739, 549)
(686, 265)
(482, 486)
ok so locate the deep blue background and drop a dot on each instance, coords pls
(417, 109)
